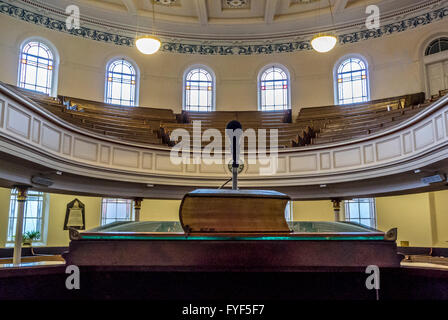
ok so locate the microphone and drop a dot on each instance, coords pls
(234, 131)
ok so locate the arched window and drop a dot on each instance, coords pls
(37, 67)
(352, 81)
(436, 46)
(273, 89)
(199, 90)
(121, 83)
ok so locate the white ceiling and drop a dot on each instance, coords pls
(230, 19)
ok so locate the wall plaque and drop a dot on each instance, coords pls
(75, 216)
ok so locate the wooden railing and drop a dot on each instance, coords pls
(316, 125)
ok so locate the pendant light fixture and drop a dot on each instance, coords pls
(149, 44)
(325, 42)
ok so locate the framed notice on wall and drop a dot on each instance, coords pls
(75, 216)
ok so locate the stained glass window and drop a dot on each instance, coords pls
(361, 211)
(352, 81)
(113, 210)
(274, 89)
(121, 83)
(33, 217)
(36, 67)
(436, 46)
(199, 90)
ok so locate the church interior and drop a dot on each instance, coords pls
(149, 148)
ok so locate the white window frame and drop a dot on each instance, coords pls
(103, 219)
(137, 79)
(56, 60)
(430, 42)
(184, 84)
(335, 75)
(44, 218)
(260, 74)
(372, 211)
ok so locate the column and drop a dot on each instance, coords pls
(137, 207)
(21, 198)
(336, 208)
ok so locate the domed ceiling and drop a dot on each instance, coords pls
(233, 22)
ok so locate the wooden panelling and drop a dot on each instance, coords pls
(388, 149)
(303, 163)
(125, 158)
(347, 158)
(424, 135)
(51, 138)
(85, 150)
(17, 121)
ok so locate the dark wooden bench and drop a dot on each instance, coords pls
(342, 122)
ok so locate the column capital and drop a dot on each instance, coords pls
(336, 208)
(336, 203)
(22, 190)
(138, 203)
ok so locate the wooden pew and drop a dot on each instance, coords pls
(352, 131)
(335, 123)
(126, 123)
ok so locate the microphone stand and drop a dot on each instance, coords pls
(234, 125)
(234, 166)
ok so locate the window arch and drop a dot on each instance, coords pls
(199, 89)
(352, 81)
(436, 46)
(121, 83)
(38, 66)
(274, 89)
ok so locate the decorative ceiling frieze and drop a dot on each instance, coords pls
(48, 19)
(167, 3)
(236, 4)
(293, 2)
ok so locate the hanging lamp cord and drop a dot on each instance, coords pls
(153, 18)
(331, 12)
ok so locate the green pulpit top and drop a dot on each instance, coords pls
(174, 226)
(172, 230)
